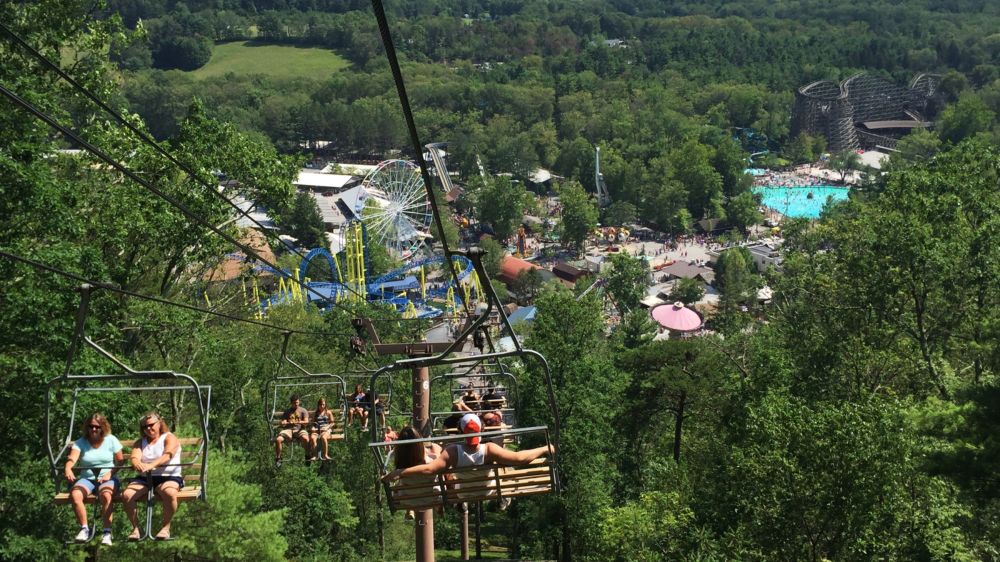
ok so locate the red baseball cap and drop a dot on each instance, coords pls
(470, 423)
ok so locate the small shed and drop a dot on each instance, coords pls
(567, 272)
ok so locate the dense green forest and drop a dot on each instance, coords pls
(855, 419)
(521, 85)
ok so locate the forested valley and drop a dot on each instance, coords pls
(855, 418)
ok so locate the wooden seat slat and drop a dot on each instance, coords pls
(185, 494)
(532, 480)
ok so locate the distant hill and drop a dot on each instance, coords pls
(279, 61)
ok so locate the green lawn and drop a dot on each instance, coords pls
(279, 61)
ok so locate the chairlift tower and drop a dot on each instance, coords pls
(603, 197)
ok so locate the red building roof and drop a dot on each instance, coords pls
(510, 267)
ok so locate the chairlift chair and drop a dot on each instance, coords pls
(194, 449)
(310, 387)
(489, 482)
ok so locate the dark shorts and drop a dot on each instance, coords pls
(155, 481)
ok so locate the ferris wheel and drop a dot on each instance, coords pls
(400, 216)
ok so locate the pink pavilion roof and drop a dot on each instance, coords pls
(676, 317)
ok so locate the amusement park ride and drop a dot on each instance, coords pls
(393, 211)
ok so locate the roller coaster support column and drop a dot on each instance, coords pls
(424, 528)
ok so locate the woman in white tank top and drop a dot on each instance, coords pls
(156, 457)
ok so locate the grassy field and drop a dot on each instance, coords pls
(279, 61)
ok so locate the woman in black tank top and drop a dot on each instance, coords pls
(323, 425)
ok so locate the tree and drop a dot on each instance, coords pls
(800, 149)
(743, 212)
(527, 284)
(738, 287)
(691, 166)
(730, 161)
(619, 213)
(845, 162)
(815, 460)
(916, 146)
(304, 222)
(183, 53)
(579, 215)
(637, 329)
(964, 118)
(626, 281)
(499, 202)
(688, 291)
(493, 256)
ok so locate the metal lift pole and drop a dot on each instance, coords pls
(424, 528)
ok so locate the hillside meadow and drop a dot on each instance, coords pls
(277, 61)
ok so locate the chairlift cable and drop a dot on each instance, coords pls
(112, 288)
(397, 75)
(100, 154)
(145, 138)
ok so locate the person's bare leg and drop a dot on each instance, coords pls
(129, 498)
(326, 445)
(77, 495)
(107, 493)
(277, 447)
(168, 497)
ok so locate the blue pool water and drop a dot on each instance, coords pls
(795, 201)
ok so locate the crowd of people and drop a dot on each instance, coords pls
(98, 456)
(788, 179)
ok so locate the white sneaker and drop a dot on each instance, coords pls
(83, 535)
(106, 539)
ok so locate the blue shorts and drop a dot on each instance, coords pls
(89, 484)
(155, 481)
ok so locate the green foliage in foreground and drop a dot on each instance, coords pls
(858, 422)
(275, 61)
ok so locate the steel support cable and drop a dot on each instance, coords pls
(109, 287)
(28, 106)
(145, 138)
(404, 100)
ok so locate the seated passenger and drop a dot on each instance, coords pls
(372, 402)
(493, 421)
(469, 453)
(493, 399)
(471, 400)
(390, 435)
(412, 454)
(156, 456)
(293, 429)
(356, 406)
(324, 422)
(98, 448)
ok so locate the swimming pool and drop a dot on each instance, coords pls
(796, 201)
